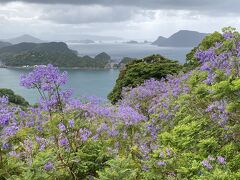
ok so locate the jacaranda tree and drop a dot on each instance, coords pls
(183, 126)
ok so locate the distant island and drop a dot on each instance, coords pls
(137, 42)
(85, 41)
(132, 42)
(24, 38)
(182, 38)
(56, 53)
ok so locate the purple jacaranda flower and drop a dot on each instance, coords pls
(84, 134)
(221, 160)
(129, 115)
(14, 154)
(44, 77)
(145, 167)
(61, 127)
(218, 112)
(71, 123)
(63, 142)
(28, 145)
(218, 44)
(6, 145)
(161, 163)
(11, 130)
(48, 81)
(161, 154)
(206, 164)
(3, 100)
(48, 166)
(210, 78)
(228, 35)
(168, 152)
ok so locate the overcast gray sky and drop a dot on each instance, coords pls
(129, 19)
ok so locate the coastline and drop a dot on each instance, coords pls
(71, 68)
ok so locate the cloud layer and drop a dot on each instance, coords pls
(201, 5)
(130, 19)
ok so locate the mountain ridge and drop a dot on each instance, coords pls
(24, 38)
(182, 38)
(56, 53)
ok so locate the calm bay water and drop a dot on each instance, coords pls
(92, 82)
(83, 82)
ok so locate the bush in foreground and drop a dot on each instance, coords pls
(13, 98)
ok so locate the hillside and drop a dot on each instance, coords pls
(159, 40)
(56, 53)
(182, 38)
(4, 44)
(12, 97)
(24, 38)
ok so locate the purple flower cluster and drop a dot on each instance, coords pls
(206, 164)
(84, 134)
(219, 59)
(221, 160)
(61, 127)
(44, 77)
(129, 115)
(218, 112)
(5, 114)
(48, 81)
(42, 142)
(48, 166)
(64, 142)
(161, 163)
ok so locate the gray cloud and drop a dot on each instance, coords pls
(203, 5)
(68, 14)
(124, 18)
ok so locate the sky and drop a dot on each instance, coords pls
(127, 19)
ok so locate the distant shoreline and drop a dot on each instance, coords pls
(71, 68)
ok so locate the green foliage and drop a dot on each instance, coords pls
(207, 42)
(120, 168)
(126, 60)
(13, 98)
(137, 71)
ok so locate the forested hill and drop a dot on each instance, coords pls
(56, 53)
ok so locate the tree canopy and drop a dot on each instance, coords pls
(137, 71)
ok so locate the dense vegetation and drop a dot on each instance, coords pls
(208, 42)
(12, 97)
(56, 53)
(184, 126)
(137, 71)
(126, 60)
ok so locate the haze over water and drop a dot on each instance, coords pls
(119, 50)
